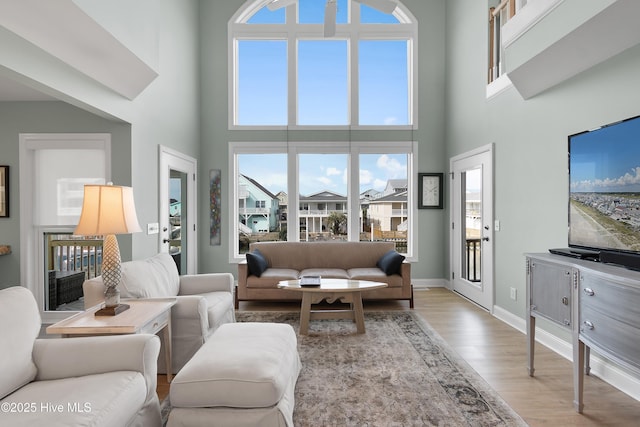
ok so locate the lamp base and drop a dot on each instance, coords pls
(113, 310)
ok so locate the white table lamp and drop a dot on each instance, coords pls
(108, 210)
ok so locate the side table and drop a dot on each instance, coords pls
(145, 316)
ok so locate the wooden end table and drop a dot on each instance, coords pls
(331, 290)
(145, 316)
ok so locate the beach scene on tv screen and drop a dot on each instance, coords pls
(604, 199)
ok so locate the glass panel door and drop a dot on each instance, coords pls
(472, 206)
(472, 234)
(177, 226)
(177, 217)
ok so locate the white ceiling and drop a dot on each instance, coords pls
(10, 90)
(62, 31)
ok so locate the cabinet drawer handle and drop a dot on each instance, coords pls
(589, 291)
(588, 324)
(565, 300)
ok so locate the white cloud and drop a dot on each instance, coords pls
(379, 184)
(392, 167)
(324, 180)
(366, 177)
(631, 178)
(333, 171)
(390, 121)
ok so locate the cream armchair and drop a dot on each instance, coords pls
(203, 301)
(97, 381)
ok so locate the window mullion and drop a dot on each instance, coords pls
(353, 196)
(354, 83)
(293, 191)
(292, 67)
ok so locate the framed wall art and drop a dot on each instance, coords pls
(214, 207)
(430, 194)
(4, 191)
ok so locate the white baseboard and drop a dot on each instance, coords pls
(600, 367)
(428, 283)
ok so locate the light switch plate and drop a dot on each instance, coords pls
(153, 228)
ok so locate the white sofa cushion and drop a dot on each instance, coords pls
(19, 327)
(111, 399)
(242, 365)
(150, 278)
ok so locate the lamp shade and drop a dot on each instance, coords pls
(107, 209)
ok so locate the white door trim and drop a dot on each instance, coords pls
(171, 159)
(31, 248)
(487, 221)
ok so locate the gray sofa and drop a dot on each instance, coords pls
(346, 260)
(90, 381)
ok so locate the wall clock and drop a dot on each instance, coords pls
(430, 190)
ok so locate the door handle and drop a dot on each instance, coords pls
(165, 240)
(486, 239)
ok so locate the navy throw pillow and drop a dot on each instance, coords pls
(257, 263)
(390, 262)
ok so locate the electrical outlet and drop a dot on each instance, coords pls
(514, 294)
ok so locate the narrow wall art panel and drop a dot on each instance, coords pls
(214, 207)
(4, 191)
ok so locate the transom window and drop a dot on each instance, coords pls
(318, 93)
(287, 72)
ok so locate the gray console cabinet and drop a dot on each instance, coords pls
(549, 295)
(598, 303)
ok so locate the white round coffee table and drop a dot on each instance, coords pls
(331, 290)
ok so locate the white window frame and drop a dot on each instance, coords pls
(353, 32)
(32, 254)
(353, 149)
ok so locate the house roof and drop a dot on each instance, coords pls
(395, 185)
(398, 197)
(257, 184)
(369, 194)
(324, 196)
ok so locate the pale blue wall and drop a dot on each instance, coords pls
(214, 17)
(530, 137)
(165, 113)
(50, 117)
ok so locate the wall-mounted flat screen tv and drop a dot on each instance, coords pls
(604, 187)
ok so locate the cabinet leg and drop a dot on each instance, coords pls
(587, 360)
(531, 342)
(578, 376)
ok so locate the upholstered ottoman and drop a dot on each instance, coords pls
(244, 375)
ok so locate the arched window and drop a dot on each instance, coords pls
(286, 70)
(291, 68)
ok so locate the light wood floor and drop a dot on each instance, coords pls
(498, 353)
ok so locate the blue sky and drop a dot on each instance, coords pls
(319, 172)
(607, 159)
(323, 98)
(323, 80)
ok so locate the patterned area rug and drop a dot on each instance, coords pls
(400, 373)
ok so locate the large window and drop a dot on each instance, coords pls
(308, 108)
(286, 72)
(303, 191)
